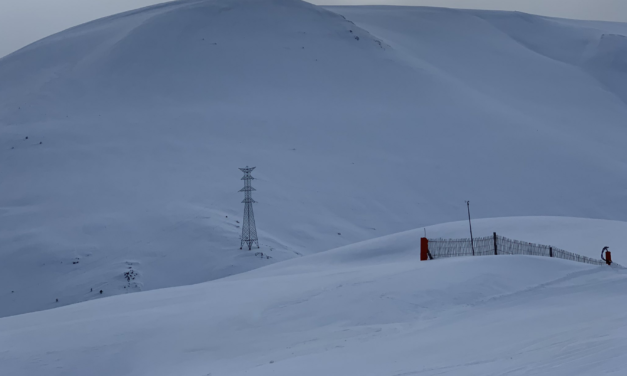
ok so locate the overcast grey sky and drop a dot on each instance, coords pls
(25, 21)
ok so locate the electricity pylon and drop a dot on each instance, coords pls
(249, 230)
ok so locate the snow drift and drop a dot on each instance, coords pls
(365, 309)
(120, 139)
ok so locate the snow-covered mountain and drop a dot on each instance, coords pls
(120, 139)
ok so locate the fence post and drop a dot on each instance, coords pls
(495, 252)
(550, 251)
(424, 249)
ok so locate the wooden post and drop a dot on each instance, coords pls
(424, 249)
(495, 252)
(550, 251)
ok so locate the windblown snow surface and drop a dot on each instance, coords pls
(366, 309)
(120, 139)
(119, 147)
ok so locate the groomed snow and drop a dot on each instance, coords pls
(367, 309)
(375, 121)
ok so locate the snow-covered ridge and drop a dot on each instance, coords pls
(120, 140)
(367, 309)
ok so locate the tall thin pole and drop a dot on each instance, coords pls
(472, 243)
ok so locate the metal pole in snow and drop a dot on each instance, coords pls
(472, 243)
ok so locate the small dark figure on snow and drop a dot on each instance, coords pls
(101, 291)
(57, 300)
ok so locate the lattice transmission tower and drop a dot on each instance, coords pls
(249, 230)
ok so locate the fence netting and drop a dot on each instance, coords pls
(440, 248)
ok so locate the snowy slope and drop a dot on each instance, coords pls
(74, 283)
(361, 125)
(366, 309)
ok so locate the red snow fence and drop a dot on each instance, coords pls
(431, 249)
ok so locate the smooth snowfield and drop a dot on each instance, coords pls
(363, 124)
(73, 283)
(367, 309)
